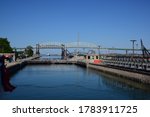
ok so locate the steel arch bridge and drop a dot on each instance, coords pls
(58, 45)
(81, 45)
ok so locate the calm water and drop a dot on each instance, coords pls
(71, 82)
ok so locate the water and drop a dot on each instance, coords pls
(47, 57)
(72, 82)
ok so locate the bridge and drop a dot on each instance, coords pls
(84, 45)
(65, 46)
(76, 45)
(58, 45)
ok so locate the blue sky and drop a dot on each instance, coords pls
(109, 23)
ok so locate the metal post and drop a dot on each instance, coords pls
(133, 41)
(37, 49)
(126, 52)
(78, 40)
(64, 52)
(16, 54)
(99, 51)
(137, 48)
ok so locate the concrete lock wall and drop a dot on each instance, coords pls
(126, 74)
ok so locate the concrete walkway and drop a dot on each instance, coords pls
(20, 61)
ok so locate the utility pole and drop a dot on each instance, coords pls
(78, 40)
(133, 41)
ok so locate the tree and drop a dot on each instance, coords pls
(5, 46)
(29, 51)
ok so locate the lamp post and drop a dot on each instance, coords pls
(133, 41)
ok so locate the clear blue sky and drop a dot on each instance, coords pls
(109, 23)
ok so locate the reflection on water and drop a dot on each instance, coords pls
(133, 89)
(121, 82)
(72, 82)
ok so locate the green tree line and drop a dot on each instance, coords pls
(5, 46)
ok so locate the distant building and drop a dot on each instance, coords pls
(91, 58)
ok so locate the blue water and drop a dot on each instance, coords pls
(47, 57)
(72, 82)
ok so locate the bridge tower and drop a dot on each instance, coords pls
(37, 49)
(64, 52)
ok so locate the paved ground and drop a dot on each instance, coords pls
(19, 61)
